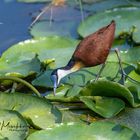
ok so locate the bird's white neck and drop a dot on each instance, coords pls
(62, 72)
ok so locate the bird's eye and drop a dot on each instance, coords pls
(54, 72)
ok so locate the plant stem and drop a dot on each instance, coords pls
(81, 10)
(40, 14)
(21, 81)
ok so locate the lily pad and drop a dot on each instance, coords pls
(74, 116)
(138, 67)
(59, 20)
(126, 20)
(20, 68)
(38, 112)
(12, 126)
(61, 95)
(45, 47)
(110, 89)
(106, 107)
(62, 14)
(134, 87)
(129, 57)
(44, 28)
(102, 5)
(43, 80)
(73, 131)
(130, 118)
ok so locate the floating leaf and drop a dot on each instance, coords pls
(120, 132)
(74, 91)
(39, 112)
(12, 126)
(19, 67)
(138, 67)
(43, 80)
(126, 19)
(106, 107)
(130, 118)
(44, 28)
(82, 132)
(73, 116)
(102, 5)
(61, 95)
(134, 87)
(110, 89)
(62, 13)
(130, 56)
(58, 20)
(46, 48)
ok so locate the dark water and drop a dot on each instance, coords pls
(15, 19)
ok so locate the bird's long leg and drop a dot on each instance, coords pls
(121, 67)
(100, 71)
(124, 75)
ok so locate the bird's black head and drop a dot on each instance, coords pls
(58, 74)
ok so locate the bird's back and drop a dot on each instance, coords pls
(94, 49)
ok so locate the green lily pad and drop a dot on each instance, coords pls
(74, 116)
(102, 5)
(106, 107)
(19, 67)
(134, 87)
(30, 1)
(130, 118)
(46, 48)
(59, 20)
(110, 89)
(44, 28)
(73, 91)
(138, 67)
(126, 19)
(38, 112)
(130, 56)
(12, 126)
(73, 131)
(44, 80)
(61, 95)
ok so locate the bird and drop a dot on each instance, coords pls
(91, 51)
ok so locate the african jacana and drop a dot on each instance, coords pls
(91, 51)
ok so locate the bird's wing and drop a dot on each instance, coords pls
(94, 49)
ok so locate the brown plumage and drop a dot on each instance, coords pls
(91, 51)
(94, 49)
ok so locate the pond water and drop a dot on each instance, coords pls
(15, 19)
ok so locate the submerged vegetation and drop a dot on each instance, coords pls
(81, 106)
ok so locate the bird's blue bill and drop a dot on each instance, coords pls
(54, 79)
